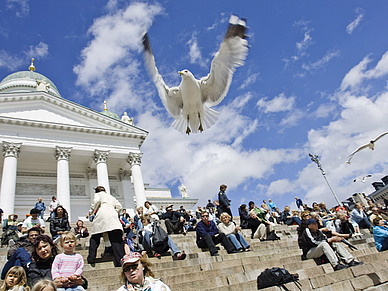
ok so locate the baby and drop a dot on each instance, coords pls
(69, 265)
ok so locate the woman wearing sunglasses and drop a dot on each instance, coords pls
(137, 275)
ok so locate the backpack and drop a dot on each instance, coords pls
(272, 236)
(276, 277)
(159, 235)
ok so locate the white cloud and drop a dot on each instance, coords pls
(322, 62)
(38, 51)
(109, 65)
(280, 187)
(10, 62)
(292, 119)
(303, 45)
(324, 110)
(173, 156)
(252, 78)
(355, 23)
(13, 62)
(22, 7)
(218, 22)
(359, 73)
(195, 55)
(307, 41)
(277, 104)
(361, 119)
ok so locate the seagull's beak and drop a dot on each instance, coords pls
(180, 73)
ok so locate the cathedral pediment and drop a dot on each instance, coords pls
(52, 111)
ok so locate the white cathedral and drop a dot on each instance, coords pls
(55, 147)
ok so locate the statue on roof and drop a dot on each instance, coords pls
(126, 119)
(42, 85)
(183, 190)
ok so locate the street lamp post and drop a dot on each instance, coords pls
(315, 159)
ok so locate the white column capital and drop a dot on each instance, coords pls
(62, 153)
(100, 156)
(11, 149)
(134, 159)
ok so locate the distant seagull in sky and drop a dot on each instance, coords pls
(370, 145)
(362, 179)
(189, 102)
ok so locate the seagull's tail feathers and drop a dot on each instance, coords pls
(180, 124)
(209, 117)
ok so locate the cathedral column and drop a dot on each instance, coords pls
(125, 179)
(62, 155)
(100, 158)
(134, 160)
(11, 153)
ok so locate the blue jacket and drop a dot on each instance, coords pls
(380, 234)
(203, 229)
(40, 206)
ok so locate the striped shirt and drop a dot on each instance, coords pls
(67, 265)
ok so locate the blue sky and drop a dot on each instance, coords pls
(315, 80)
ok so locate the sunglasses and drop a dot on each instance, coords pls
(129, 268)
(205, 215)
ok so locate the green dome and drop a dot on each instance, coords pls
(26, 80)
(110, 114)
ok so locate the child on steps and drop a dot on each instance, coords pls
(68, 265)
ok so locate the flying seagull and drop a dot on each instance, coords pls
(362, 179)
(189, 102)
(370, 145)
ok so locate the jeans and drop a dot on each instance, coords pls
(139, 225)
(238, 240)
(73, 288)
(19, 258)
(148, 246)
(364, 223)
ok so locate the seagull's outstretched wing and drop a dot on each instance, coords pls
(380, 136)
(231, 54)
(171, 97)
(357, 150)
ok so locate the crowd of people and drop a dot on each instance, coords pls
(35, 262)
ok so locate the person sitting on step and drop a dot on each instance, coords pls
(314, 244)
(289, 219)
(174, 220)
(145, 240)
(208, 236)
(231, 230)
(257, 227)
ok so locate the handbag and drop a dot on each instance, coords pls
(160, 237)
